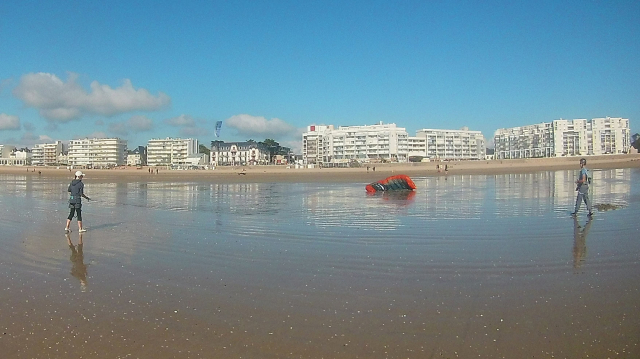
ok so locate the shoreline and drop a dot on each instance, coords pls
(272, 173)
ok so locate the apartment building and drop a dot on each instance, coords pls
(238, 153)
(97, 152)
(460, 144)
(329, 146)
(46, 154)
(578, 137)
(170, 151)
(610, 135)
(313, 144)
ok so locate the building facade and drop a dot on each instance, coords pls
(46, 154)
(137, 156)
(460, 144)
(238, 153)
(328, 146)
(579, 137)
(97, 152)
(170, 151)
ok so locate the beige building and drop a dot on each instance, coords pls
(460, 144)
(331, 146)
(46, 154)
(97, 152)
(170, 151)
(579, 137)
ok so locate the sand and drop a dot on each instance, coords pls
(261, 174)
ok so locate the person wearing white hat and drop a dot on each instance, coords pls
(76, 193)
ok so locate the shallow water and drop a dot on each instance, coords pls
(467, 266)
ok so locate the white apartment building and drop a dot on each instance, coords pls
(46, 154)
(313, 144)
(610, 135)
(329, 146)
(562, 137)
(238, 153)
(97, 152)
(170, 151)
(460, 144)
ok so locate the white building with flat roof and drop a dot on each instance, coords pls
(170, 151)
(331, 146)
(46, 154)
(462, 144)
(578, 137)
(97, 152)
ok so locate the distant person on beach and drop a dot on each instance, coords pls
(582, 186)
(76, 193)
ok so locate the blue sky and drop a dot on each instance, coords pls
(267, 69)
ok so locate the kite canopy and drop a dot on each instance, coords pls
(393, 183)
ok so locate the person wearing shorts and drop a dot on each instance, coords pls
(76, 193)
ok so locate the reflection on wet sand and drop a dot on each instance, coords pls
(78, 268)
(458, 268)
(580, 242)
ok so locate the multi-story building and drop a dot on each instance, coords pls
(170, 151)
(562, 137)
(97, 152)
(238, 153)
(329, 146)
(46, 154)
(460, 144)
(610, 135)
(137, 157)
(313, 144)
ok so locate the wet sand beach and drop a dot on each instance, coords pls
(482, 262)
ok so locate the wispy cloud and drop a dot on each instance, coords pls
(9, 122)
(135, 124)
(60, 101)
(188, 126)
(248, 125)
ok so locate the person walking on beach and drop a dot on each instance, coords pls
(76, 192)
(582, 186)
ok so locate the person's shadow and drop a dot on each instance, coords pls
(78, 268)
(580, 243)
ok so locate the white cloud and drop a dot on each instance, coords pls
(181, 121)
(28, 126)
(9, 122)
(248, 125)
(65, 101)
(119, 128)
(28, 139)
(140, 123)
(134, 124)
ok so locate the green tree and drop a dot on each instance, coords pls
(203, 149)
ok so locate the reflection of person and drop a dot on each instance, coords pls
(582, 186)
(78, 268)
(580, 242)
(76, 193)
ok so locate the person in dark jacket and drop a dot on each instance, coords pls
(76, 193)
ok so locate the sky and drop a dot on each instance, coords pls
(139, 70)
